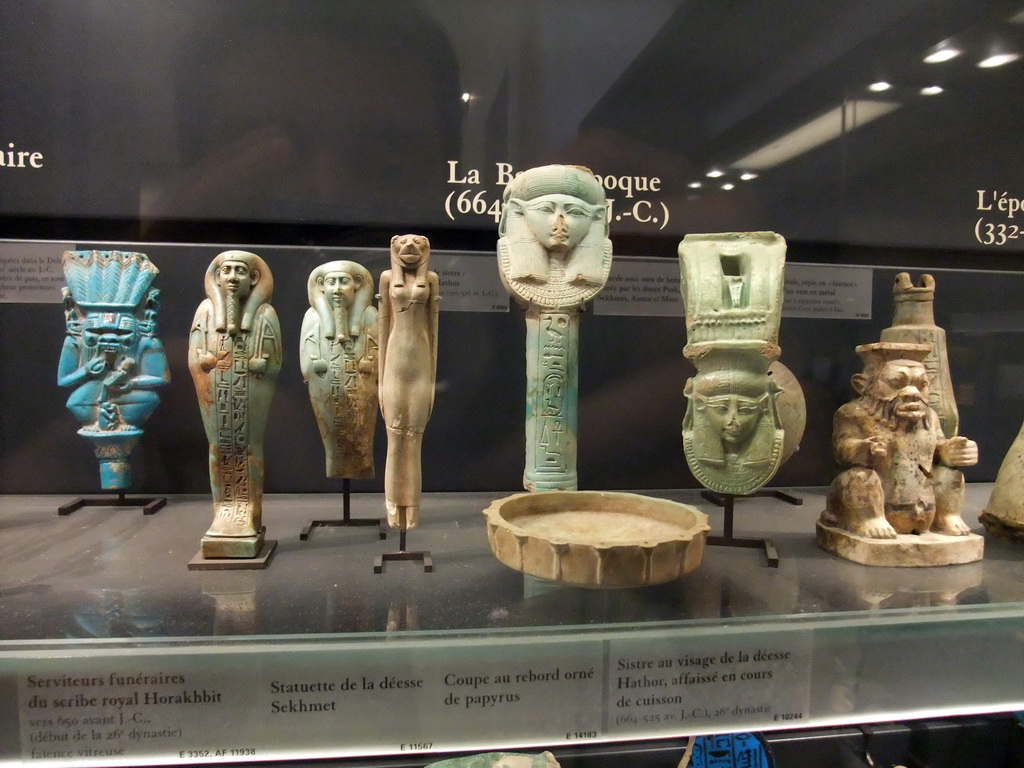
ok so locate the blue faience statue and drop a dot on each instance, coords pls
(111, 355)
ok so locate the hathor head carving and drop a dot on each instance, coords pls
(733, 401)
(237, 284)
(555, 209)
(340, 292)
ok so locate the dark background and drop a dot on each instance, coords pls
(331, 123)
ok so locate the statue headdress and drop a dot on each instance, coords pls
(108, 280)
(360, 301)
(261, 293)
(587, 261)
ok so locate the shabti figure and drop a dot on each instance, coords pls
(234, 356)
(554, 255)
(111, 356)
(338, 356)
(408, 369)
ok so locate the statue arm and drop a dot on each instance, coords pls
(853, 443)
(69, 372)
(199, 356)
(268, 352)
(434, 309)
(367, 363)
(153, 369)
(957, 451)
(310, 362)
(383, 328)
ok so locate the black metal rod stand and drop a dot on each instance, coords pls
(728, 501)
(347, 521)
(422, 556)
(150, 504)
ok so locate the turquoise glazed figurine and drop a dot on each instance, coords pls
(234, 356)
(554, 255)
(111, 356)
(338, 358)
(732, 287)
(499, 760)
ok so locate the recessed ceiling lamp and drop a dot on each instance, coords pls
(715, 173)
(931, 90)
(831, 125)
(940, 55)
(466, 97)
(997, 60)
(748, 176)
(728, 186)
(695, 185)
(880, 86)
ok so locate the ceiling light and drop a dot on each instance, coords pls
(880, 86)
(715, 173)
(942, 54)
(728, 186)
(466, 97)
(695, 185)
(820, 130)
(931, 90)
(748, 176)
(998, 60)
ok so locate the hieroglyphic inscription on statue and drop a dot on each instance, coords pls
(551, 432)
(232, 385)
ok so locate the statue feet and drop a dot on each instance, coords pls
(950, 525)
(873, 528)
(401, 517)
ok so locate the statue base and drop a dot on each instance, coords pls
(905, 551)
(205, 562)
(1004, 529)
(232, 546)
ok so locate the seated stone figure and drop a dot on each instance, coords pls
(900, 475)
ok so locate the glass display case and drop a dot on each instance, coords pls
(875, 137)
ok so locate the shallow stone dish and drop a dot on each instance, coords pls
(595, 538)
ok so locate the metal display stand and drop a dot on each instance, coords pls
(150, 504)
(347, 521)
(728, 501)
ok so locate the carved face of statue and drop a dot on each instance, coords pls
(339, 288)
(902, 386)
(235, 277)
(110, 332)
(411, 250)
(734, 417)
(559, 222)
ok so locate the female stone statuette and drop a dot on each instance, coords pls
(235, 355)
(898, 501)
(554, 255)
(111, 355)
(408, 368)
(732, 287)
(338, 357)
